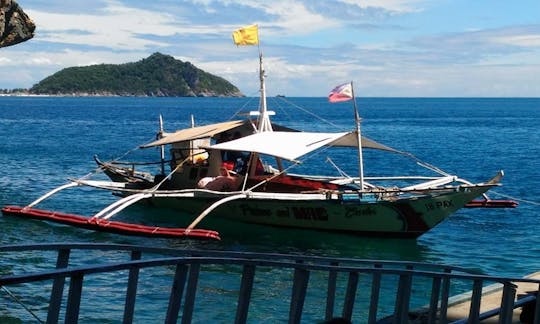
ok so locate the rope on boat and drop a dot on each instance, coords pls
(178, 166)
(341, 172)
(278, 104)
(113, 162)
(22, 304)
(100, 168)
(536, 203)
(242, 108)
(310, 113)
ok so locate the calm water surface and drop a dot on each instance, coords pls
(47, 140)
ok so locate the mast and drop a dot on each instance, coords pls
(359, 135)
(264, 124)
(264, 120)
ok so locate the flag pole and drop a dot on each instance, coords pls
(264, 124)
(264, 121)
(359, 135)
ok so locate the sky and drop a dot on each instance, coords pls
(388, 48)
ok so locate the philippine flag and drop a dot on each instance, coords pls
(341, 93)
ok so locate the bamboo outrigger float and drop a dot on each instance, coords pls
(214, 175)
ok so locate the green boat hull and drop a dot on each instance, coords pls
(405, 217)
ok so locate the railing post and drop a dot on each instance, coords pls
(445, 295)
(507, 303)
(244, 297)
(350, 296)
(434, 301)
(131, 291)
(57, 291)
(375, 292)
(401, 313)
(331, 293)
(177, 289)
(474, 311)
(300, 283)
(191, 291)
(74, 298)
(537, 308)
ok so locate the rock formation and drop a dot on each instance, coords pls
(15, 25)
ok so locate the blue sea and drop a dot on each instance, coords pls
(46, 140)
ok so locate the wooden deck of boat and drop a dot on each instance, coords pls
(460, 305)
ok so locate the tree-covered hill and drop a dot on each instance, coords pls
(158, 75)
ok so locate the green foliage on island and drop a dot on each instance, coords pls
(16, 91)
(158, 75)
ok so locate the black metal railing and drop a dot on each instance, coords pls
(340, 279)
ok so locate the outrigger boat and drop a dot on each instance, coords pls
(222, 171)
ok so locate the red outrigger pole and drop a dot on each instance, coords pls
(491, 203)
(109, 226)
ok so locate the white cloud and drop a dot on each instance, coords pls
(295, 18)
(530, 40)
(36, 60)
(5, 61)
(396, 6)
(115, 27)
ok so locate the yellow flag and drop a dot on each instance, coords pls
(248, 35)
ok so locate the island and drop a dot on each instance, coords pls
(158, 75)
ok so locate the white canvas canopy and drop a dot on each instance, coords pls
(194, 133)
(292, 145)
(206, 131)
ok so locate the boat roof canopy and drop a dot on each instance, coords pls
(194, 133)
(285, 143)
(292, 145)
(351, 140)
(199, 132)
